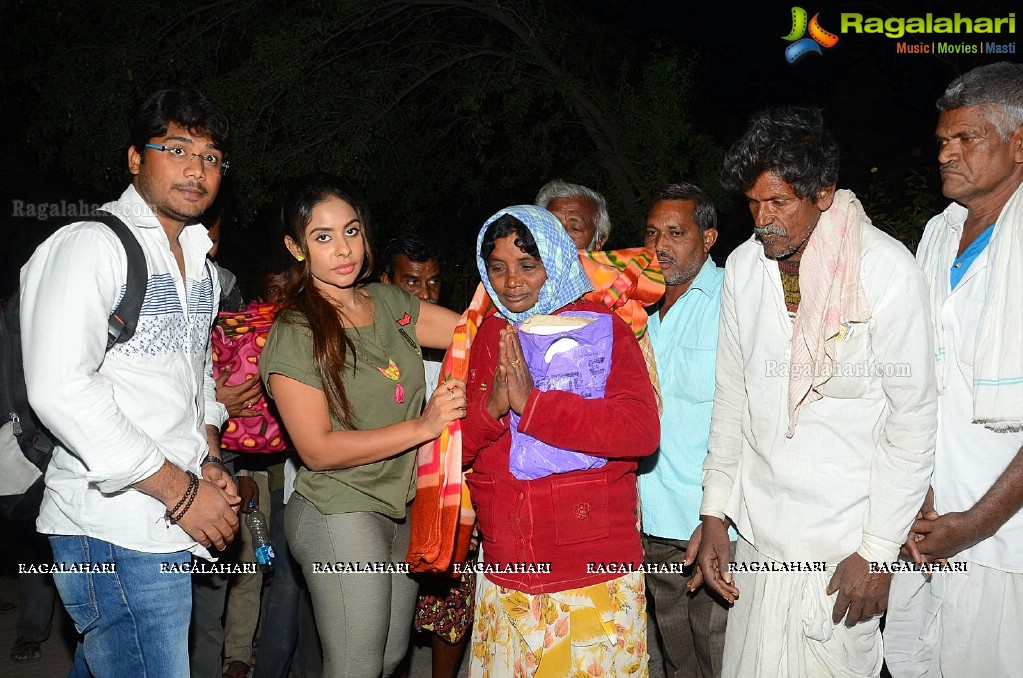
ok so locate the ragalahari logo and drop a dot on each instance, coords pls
(801, 46)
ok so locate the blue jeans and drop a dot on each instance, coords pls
(134, 622)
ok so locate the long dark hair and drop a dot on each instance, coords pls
(331, 344)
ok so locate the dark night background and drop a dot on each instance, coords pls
(440, 113)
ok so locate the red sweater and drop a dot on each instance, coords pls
(574, 519)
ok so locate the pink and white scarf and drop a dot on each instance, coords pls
(830, 297)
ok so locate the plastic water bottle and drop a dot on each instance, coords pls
(256, 522)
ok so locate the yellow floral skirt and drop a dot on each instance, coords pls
(598, 630)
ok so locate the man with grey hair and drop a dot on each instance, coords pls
(966, 616)
(581, 210)
(822, 429)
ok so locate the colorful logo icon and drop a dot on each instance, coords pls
(801, 46)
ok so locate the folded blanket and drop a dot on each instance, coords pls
(238, 340)
(626, 281)
(442, 514)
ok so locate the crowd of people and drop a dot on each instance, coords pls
(808, 462)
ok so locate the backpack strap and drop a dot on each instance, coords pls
(125, 317)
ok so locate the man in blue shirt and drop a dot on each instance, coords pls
(966, 618)
(681, 228)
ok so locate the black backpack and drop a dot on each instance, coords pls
(34, 440)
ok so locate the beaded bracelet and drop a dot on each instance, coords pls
(190, 494)
(193, 487)
(183, 496)
(188, 504)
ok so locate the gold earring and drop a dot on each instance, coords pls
(299, 257)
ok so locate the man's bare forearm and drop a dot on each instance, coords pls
(213, 440)
(1002, 501)
(168, 484)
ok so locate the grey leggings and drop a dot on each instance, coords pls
(364, 619)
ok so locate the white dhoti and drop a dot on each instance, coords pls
(957, 624)
(781, 626)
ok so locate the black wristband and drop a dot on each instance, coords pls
(188, 504)
(183, 496)
(188, 496)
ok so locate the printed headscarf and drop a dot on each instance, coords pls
(566, 280)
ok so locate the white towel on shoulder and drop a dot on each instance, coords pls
(998, 359)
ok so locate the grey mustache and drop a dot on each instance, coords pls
(770, 229)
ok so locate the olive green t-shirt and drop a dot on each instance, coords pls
(384, 486)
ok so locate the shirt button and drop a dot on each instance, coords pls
(522, 542)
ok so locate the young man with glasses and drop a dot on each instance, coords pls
(132, 490)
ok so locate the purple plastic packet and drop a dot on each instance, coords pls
(576, 360)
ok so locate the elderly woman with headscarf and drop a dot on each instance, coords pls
(553, 479)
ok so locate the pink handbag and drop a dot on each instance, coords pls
(238, 340)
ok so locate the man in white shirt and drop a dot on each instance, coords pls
(127, 488)
(822, 429)
(966, 618)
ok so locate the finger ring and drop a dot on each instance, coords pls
(451, 395)
(248, 404)
(515, 362)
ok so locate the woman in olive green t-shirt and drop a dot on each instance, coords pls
(344, 367)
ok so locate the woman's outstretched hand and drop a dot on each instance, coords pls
(446, 404)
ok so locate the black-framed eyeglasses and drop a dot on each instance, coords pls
(179, 154)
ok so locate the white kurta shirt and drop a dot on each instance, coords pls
(854, 474)
(969, 458)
